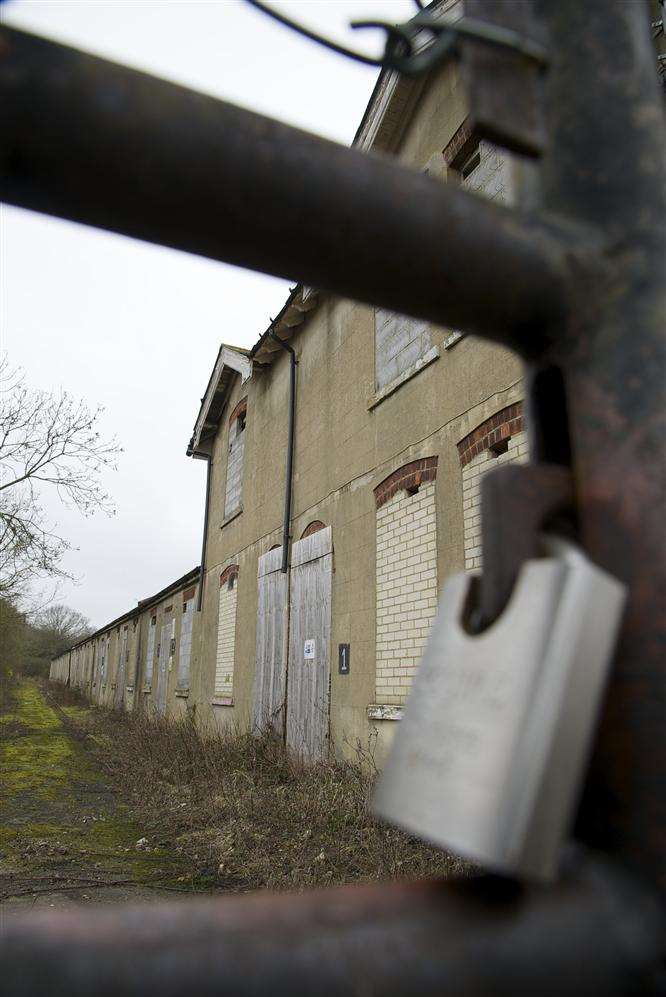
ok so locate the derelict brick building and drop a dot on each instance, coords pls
(395, 421)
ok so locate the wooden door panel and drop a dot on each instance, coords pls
(271, 650)
(308, 682)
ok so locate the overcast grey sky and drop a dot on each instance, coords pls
(135, 327)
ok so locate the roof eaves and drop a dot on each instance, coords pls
(230, 360)
(140, 607)
(301, 300)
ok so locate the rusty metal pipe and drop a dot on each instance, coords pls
(98, 143)
(595, 934)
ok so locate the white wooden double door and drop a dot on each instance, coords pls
(293, 660)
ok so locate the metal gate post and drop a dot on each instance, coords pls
(606, 166)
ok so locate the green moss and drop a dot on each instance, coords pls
(76, 712)
(7, 836)
(36, 756)
(49, 784)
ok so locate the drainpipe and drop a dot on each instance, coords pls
(290, 451)
(202, 569)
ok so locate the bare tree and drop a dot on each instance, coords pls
(44, 636)
(66, 624)
(45, 440)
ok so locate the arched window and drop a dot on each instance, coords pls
(234, 483)
(313, 527)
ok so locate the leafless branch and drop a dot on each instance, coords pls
(45, 439)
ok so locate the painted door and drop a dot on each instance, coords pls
(308, 675)
(271, 653)
(166, 637)
(121, 674)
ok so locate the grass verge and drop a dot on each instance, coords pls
(242, 812)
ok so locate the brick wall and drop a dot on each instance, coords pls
(499, 440)
(406, 586)
(226, 635)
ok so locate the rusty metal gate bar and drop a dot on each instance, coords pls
(576, 286)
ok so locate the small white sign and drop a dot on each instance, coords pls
(309, 648)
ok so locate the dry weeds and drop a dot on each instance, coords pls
(246, 814)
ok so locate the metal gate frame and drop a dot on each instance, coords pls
(576, 286)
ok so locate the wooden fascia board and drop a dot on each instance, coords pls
(228, 360)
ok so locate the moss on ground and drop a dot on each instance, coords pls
(60, 818)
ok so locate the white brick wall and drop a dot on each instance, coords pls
(471, 478)
(185, 649)
(406, 588)
(226, 641)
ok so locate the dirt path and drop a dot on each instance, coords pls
(65, 837)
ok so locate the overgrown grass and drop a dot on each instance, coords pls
(245, 813)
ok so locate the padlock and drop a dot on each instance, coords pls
(488, 759)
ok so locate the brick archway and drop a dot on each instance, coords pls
(229, 574)
(492, 432)
(408, 477)
(313, 527)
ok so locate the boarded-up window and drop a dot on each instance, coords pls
(226, 636)
(400, 343)
(406, 588)
(185, 649)
(123, 654)
(103, 660)
(232, 498)
(487, 171)
(150, 653)
(123, 649)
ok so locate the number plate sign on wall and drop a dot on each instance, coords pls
(309, 649)
(343, 659)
